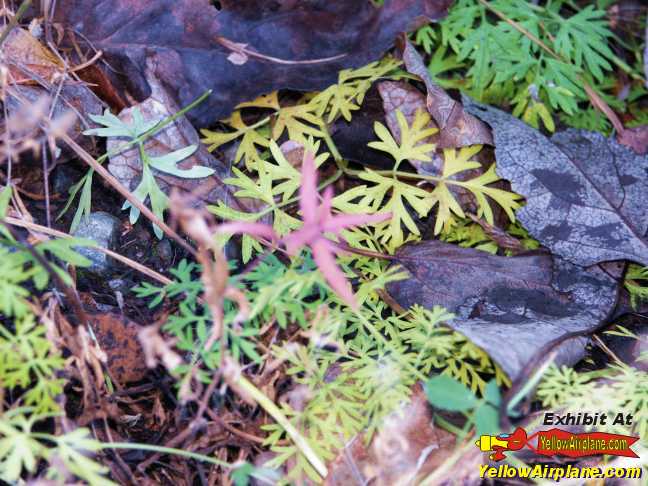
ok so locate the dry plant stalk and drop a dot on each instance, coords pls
(215, 273)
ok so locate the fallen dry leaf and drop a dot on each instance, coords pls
(126, 166)
(525, 301)
(408, 446)
(242, 51)
(117, 337)
(74, 99)
(36, 72)
(586, 195)
(28, 59)
(457, 128)
(635, 138)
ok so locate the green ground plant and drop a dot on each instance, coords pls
(532, 58)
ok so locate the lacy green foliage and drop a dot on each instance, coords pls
(494, 61)
(19, 269)
(28, 360)
(349, 369)
(348, 380)
(22, 450)
(134, 134)
(30, 364)
(388, 193)
(636, 283)
(274, 291)
(624, 388)
(468, 234)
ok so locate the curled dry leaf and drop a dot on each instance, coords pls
(35, 73)
(157, 350)
(72, 103)
(457, 128)
(302, 45)
(512, 307)
(635, 138)
(29, 61)
(586, 195)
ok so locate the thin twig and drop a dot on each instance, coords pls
(59, 234)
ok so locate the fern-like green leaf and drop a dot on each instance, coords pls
(456, 162)
(412, 138)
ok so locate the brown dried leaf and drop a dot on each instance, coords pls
(586, 195)
(635, 138)
(530, 300)
(26, 58)
(457, 127)
(73, 100)
(408, 446)
(117, 337)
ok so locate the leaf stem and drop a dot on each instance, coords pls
(294, 199)
(331, 144)
(14, 21)
(167, 450)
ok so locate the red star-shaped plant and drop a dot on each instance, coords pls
(318, 221)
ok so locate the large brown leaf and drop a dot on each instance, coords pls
(512, 307)
(240, 52)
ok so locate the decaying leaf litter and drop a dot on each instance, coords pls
(334, 266)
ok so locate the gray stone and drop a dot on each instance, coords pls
(102, 228)
(164, 252)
